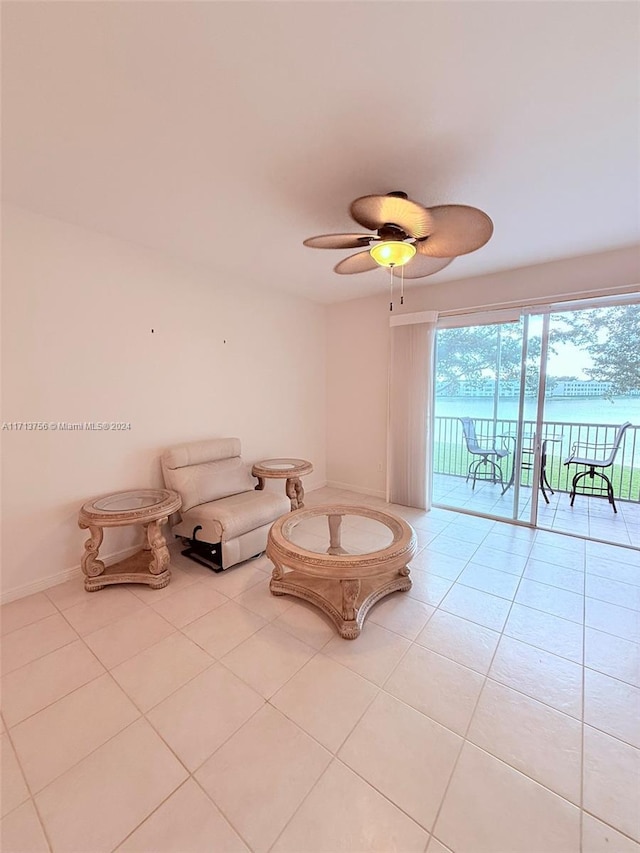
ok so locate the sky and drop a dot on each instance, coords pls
(569, 361)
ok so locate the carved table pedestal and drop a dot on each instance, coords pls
(292, 469)
(343, 559)
(149, 507)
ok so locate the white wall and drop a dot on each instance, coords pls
(358, 341)
(78, 310)
(357, 352)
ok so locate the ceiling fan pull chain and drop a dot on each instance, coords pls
(402, 285)
(391, 288)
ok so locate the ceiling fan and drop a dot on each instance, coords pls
(421, 240)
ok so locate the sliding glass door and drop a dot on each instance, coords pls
(592, 390)
(520, 396)
(486, 388)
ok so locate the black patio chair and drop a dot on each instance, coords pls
(593, 456)
(489, 460)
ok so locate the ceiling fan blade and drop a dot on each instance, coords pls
(457, 229)
(360, 262)
(421, 265)
(374, 211)
(339, 241)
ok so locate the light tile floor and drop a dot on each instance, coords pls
(494, 708)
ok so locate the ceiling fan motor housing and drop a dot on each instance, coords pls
(389, 231)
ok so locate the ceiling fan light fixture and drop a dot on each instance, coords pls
(392, 253)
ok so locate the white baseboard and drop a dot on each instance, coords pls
(361, 490)
(61, 577)
(76, 571)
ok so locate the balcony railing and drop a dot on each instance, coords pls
(451, 455)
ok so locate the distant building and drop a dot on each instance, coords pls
(511, 388)
(478, 388)
(580, 388)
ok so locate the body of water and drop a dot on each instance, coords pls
(572, 410)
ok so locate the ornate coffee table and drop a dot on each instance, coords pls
(149, 507)
(292, 469)
(343, 559)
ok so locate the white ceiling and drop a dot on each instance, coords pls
(225, 133)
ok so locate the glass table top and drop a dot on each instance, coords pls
(127, 501)
(278, 466)
(283, 464)
(352, 534)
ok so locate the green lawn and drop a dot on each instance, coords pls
(454, 459)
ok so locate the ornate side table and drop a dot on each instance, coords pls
(149, 507)
(292, 469)
(343, 559)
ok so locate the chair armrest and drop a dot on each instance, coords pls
(486, 445)
(587, 445)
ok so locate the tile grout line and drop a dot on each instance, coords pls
(269, 621)
(60, 698)
(514, 689)
(334, 754)
(302, 802)
(191, 774)
(318, 651)
(108, 670)
(39, 657)
(160, 804)
(142, 714)
(472, 715)
(223, 813)
(623, 832)
(465, 739)
(268, 701)
(430, 831)
(335, 757)
(30, 792)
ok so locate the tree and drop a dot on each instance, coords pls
(611, 337)
(470, 354)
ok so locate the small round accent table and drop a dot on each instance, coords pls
(343, 559)
(149, 507)
(292, 469)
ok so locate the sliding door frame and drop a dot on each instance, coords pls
(492, 318)
(509, 314)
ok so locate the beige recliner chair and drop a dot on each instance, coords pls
(223, 516)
